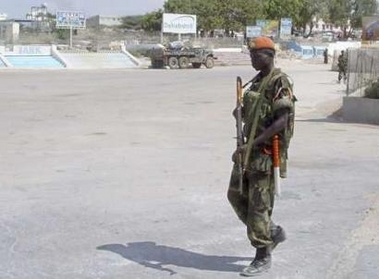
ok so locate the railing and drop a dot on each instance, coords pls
(363, 69)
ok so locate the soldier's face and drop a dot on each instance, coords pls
(260, 59)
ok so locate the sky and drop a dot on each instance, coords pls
(19, 8)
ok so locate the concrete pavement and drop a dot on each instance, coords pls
(123, 174)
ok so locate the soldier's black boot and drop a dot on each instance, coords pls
(278, 235)
(260, 264)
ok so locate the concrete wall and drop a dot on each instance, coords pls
(9, 31)
(311, 51)
(4, 61)
(55, 53)
(361, 110)
(32, 49)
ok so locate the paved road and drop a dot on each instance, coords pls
(123, 174)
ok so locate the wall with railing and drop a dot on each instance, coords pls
(362, 70)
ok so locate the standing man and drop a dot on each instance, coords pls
(269, 97)
(326, 56)
(342, 66)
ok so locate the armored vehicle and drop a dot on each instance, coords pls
(176, 55)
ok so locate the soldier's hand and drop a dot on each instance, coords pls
(234, 113)
(239, 153)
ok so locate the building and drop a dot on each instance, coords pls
(9, 31)
(319, 25)
(103, 21)
(39, 17)
(3, 17)
(37, 13)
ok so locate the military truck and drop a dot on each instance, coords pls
(176, 55)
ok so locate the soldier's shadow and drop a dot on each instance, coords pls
(151, 255)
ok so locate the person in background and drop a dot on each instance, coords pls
(326, 56)
(342, 66)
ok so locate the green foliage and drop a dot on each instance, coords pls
(132, 22)
(152, 21)
(62, 34)
(211, 14)
(360, 9)
(309, 9)
(372, 91)
(235, 14)
(343, 12)
(277, 9)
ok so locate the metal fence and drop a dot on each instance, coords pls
(363, 70)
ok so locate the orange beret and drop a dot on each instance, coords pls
(261, 43)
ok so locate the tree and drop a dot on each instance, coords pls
(309, 10)
(218, 14)
(180, 6)
(277, 9)
(359, 9)
(132, 22)
(152, 21)
(207, 16)
(350, 12)
(237, 14)
(206, 11)
(339, 11)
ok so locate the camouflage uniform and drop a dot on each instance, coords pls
(342, 66)
(255, 201)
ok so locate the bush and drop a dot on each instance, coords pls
(372, 91)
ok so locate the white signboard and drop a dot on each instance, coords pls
(285, 27)
(179, 23)
(71, 19)
(253, 31)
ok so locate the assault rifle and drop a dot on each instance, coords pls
(241, 162)
(240, 137)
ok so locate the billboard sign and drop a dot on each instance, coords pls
(253, 31)
(179, 23)
(270, 28)
(370, 28)
(285, 27)
(70, 19)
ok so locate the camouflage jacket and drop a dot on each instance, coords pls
(342, 62)
(276, 98)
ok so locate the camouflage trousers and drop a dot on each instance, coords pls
(342, 74)
(254, 204)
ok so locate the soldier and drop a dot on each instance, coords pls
(325, 56)
(342, 66)
(268, 96)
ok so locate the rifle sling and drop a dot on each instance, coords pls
(255, 120)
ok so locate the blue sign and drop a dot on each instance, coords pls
(285, 27)
(70, 19)
(253, 31)
(262, 23)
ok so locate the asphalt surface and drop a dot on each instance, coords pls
(124, 173)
